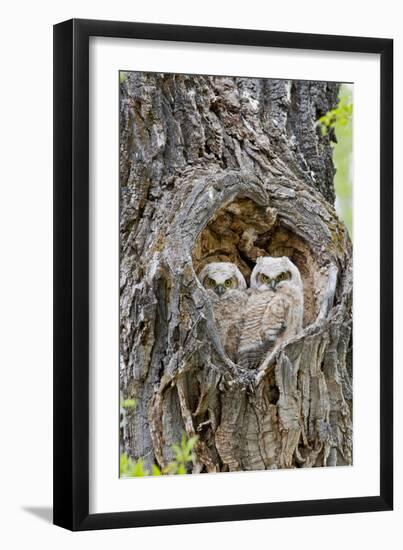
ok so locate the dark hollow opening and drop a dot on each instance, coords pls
(242, 231)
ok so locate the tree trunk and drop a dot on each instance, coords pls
(220, 168)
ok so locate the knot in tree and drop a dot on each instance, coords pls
(228, 169)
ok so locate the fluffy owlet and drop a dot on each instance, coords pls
(226, 288)
(274, 309)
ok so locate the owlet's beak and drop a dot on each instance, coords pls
(219, 289)
(273, 284)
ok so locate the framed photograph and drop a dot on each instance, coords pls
(223, 293)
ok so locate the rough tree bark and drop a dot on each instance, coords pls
(230, 169)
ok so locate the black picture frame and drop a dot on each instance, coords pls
(71, 274)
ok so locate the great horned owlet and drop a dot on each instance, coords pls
(226, 288)
(274, 309)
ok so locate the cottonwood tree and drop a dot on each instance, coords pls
(229, 169)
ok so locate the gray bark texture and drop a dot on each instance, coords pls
(229, 169)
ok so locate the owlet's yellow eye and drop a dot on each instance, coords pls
(264, 278)
(228, 283)
(211, 283)
(283, 276)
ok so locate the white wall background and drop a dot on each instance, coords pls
(26, 274)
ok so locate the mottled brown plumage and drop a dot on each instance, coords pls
(226, 288)
(274, 309)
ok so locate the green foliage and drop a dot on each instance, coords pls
(128, 403)
(183, 455)
(336, 118)
(130, 468)
(340, 119)
(122, 76)
(155, 470)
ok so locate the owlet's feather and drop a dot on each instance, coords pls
(274, 310)
(226, 288)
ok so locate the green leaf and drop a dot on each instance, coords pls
(128, 403)
(192, 442)
(176, 449)
(137, 469)
(340, 116)
(183, 455)
(124, 464)
(171, 468)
